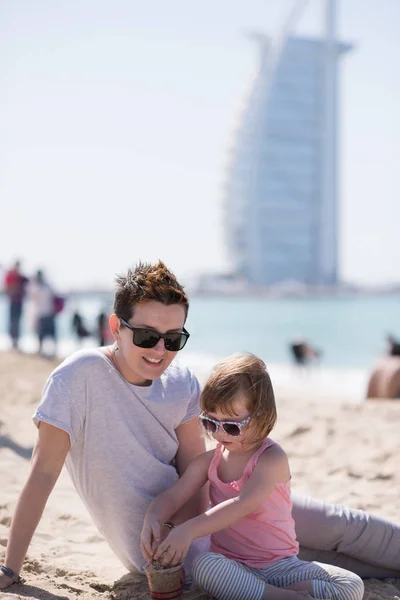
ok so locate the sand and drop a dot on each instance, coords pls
(68, 558)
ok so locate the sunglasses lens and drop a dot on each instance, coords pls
(175, 342)
(231, 429)
(145, 338)
(209, 426)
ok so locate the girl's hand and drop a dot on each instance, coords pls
(173, 549)
(150, 537)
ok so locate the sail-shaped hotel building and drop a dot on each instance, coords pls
(280, 204)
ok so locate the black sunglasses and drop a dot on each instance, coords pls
(148, 338)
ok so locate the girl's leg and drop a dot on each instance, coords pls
(336, 533)
(321, 581)
(226, 579)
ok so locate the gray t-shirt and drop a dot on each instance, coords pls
(123, 440)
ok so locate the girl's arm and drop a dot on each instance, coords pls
(272, 468)
(171, 500)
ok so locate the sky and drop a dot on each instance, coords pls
(116, 118)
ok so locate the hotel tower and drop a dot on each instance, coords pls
(281, 196)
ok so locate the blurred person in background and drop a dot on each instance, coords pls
(384, 379)
(303, 352)
(393, 345)
(41, 297)
(15, 288)
(104, 335)
(79, 326)
(2, 279)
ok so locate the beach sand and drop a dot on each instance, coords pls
(340, 452)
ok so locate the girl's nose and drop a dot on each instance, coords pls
(219, 434)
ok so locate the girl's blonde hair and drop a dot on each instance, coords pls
(242, 374)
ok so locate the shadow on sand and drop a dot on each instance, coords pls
(6, 442)
(132, 586)
(30, 591)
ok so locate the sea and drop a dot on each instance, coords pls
(349, 330)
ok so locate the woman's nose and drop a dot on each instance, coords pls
(160, 346)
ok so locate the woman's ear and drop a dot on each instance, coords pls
(114, 326)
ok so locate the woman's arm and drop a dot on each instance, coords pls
(171, 500)
(272, 468)
(191, 445)
(48, 458)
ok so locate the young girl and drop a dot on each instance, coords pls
(253, 540)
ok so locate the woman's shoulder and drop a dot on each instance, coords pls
(79, 362)
(179, 374)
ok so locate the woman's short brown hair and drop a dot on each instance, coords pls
(145, 282)
(242, 374)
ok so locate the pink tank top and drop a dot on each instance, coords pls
(263, 537)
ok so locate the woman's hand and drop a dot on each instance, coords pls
(150, 537)
(4, 581)
(173, 549)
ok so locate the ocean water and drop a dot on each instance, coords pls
(350, 331)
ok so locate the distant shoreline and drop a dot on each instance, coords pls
(302, 294)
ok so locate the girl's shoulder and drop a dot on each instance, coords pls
(274, 458)
(268, 450)
(272, 451)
